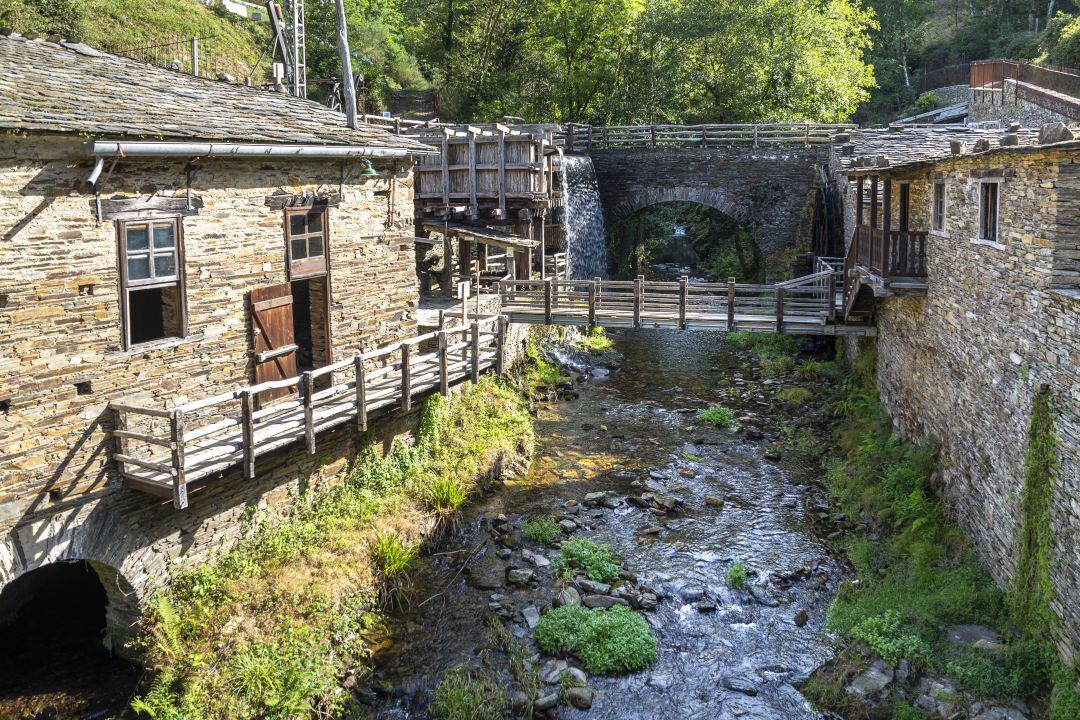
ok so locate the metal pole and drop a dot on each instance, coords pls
(195, 55)
(346, 65)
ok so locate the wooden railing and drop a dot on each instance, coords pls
(161, 450)
(895, 253)
(582, 138)
(804, 305)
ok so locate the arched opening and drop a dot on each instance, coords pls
(54, 662)
(672, 238)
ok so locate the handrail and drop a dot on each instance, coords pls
(588, 137)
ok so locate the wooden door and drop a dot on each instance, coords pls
(273, 341)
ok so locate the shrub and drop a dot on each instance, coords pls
(926, 102)
(736, 576)
(886, 635)
(717, 416)
(607, 641)
(468, 694)
(541, 529)
(587, 556)
(795, 396)
(596, 340)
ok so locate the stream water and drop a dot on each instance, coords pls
(723, 653)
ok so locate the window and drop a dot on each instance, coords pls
(306, 237)
(988, 211)
(937, 211)
(905, 206)
(151, 280)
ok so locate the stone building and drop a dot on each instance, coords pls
(960, 361)
(164, 239)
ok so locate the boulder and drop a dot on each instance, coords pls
(580, 697)
(740, 683)
(567, 596)
(531, 615)
(535, 558)
(593, 587)
(1054, 132)
(603, 601)
(871, 681)
(551, 671)
(546, 700)
(519, 576)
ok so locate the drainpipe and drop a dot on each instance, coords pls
(226, 149)
(89, 185)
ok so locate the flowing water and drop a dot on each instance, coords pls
(584, 219)
(723, 653)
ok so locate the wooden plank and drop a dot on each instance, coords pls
(147, 464)
(153, 412)
(444, 159)
(146, 207)
(119, 435)
(547, 301)
(360, 375)
(593, 290)
(472, 173)
(500, 344)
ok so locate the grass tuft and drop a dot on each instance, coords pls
(595, 341)
(795, 396)
(468, 694)
(541, 529)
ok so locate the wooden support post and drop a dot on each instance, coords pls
(874, 201)
(502, 173)
(652, 133)
(247, 410)
(444, 370)
(731, 299)
(594, 288)
(500, 345)
(444, 158)
(599, 289)
(406, 377)
(176, 433)
(475, 350)
(361, 392)
(860, 184)
(779, 309)
(309, 411)
(547, 301)
(473, 207)
(886, 211)
(683, 298)
(832, 297)
(639, 289)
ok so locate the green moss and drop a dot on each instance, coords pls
(736, 576)
(795, 396)
(720, 417)
(541, 529)
(607, 641)
(777, 366)
(588, 556)
(468, 694)
(818, 370)
(596, 340)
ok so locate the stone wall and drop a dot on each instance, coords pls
(62, 359)
(1003, 105)
(962, 365)
(770, 190)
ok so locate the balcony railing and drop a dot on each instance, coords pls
(162, 450)
(893, 253)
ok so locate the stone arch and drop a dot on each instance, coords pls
(715, 197)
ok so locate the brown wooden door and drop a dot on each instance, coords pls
(273, 341)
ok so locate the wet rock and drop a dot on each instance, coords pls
(706, 606)
(611, 502)
(551, 671)
(593, 587)
(531, 615)
(519, 576)
(487, 573)
(800, 618)
(762, 597)
(691, 594)
(752, 433)
(567, 596)
(740, 683)
(773, 453)
(976, 636)
(578, 675)
(594, 497)
(1000, 713)
(568, 526)
(536, 559)
(519, 701)
(641, 502)
(660, 682)
(651, 529)
(580, 697)
(714, 501)
(687, 472)
(871, 681)
(511, 540)
(603, 601)
(504, 553)
(648, 601)
(546, 701)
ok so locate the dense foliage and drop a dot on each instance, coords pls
(607, 641)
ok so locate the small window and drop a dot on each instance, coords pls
(905, 207)
(306, 238)
(988, 211)
(151, 280)
(937, 212)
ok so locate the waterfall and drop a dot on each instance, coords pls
(583, 219)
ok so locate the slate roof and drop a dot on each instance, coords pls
(71, 88)
(906, 146)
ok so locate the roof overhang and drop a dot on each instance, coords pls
(146, 148)
(486, 236)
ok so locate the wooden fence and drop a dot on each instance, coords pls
(161, 450)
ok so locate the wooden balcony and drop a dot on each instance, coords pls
(884, 262)
(164, 450)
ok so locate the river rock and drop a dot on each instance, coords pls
(579, 676)
(691, 594)
(871, 681)
(740, 683)
(714, 501)
(504, 553)
(546, 701)
(580, 697)
(610, 501)
(568, 526)
(567, 596)
(648, 601)
(551, 671)
(519, 576)
(535, 558)
(594, 497)
(706, 606)
(487, 573)
(976, 636)
(603, 601)
(1000, 713)
(800, 618)
(687, 472)
(531, 615)
(593, 587)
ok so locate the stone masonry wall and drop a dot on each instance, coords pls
(962, 365)
(1003, 105)
(770, 190)
(60, 497)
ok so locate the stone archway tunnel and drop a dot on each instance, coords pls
(770, 191)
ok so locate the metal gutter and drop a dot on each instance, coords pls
(138, 148)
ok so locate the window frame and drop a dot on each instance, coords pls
(937, 213)
(307, 267)
(125, 285)
(996, 239)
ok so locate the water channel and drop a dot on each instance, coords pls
(723, 653)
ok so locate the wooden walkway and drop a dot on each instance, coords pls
(162, 451)
(808, 305)
(584, 138)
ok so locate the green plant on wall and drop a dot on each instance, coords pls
(1033, 589)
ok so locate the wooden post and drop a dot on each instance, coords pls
(652, 132)
(176, 432)
(731, 301)
(475, 351)
(444, 370)
(309, 411)
(874, 201)
(247, 410)
(406, 377)
(755, 136)
(639, 288)
(502, 173)
(547, 301)
(599, 289)
(683, 297)
(832, 296)
(473, 208)
(445, 159)
(361, 392)
(779, 309)
(590, 137)
(859, 185)
(500, 344)
(886, 214)
(593, 288)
